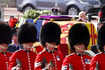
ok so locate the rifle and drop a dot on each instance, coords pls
(46, 66)
(18, 65)
(97, 66)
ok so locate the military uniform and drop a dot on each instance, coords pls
(5, 39)
(4, 60)
(24, 58)
(76, 62)
(46, 59)
(98, 62)
(78, 35)
(50, 58)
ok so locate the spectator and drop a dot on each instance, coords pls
(14, 46)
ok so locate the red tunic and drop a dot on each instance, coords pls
(24, 58)
(37, 49)
(76, 62)
(63, 49)
(47, 59)
(98, 61)
(12, 22)
(4, 60)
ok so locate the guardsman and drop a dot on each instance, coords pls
(24, 58)
(49, 58)
(98, 61)
(78, 39)
(5, 39)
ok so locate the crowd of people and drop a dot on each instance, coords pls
(16, 46)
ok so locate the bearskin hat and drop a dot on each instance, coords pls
(5, 33)
(27, 33)
(101, 38)
(78, 34)
(101, 14)
(50, 32)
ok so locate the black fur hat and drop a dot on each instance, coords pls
(27, 33)
(101, 38)
(102, 14)
(78, 34)
(50, 32)
(5, 33)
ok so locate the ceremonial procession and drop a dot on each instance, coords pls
(52, 35)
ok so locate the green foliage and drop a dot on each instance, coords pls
(31, 14)
(35, 13)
